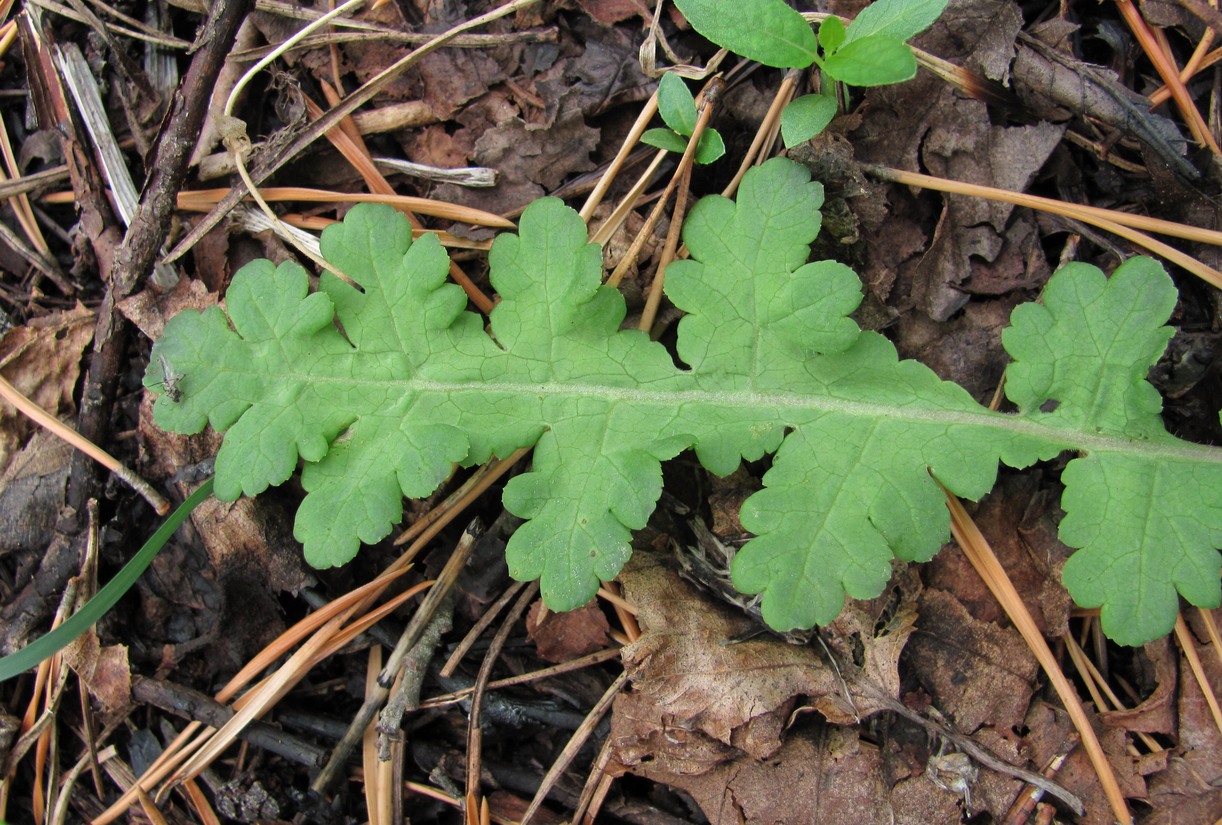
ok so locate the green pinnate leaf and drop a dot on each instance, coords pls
(755, 309)
(590, 487)
(1088, 346)
(277, 329)
(1147, 528)
(408, 383)
(767, 31)
(596, 473)
(1142, 506)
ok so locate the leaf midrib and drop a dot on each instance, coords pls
(1171, 449)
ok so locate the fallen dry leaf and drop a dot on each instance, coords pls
(610, 12)
(1155, 713)
(42, 360)
(966, 349)
(980, 246)
(151, 308)
(823, 773)
(976, 246)
(979, 674)
(688, 662)
(32, 490)
(227, 599)
(561, 637)
(695, 677)
(1049, 732)
(103, 668)
(1188, 790)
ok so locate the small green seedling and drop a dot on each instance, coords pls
(678, 110)
(870, 51)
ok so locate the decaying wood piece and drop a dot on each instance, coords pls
(1043, 75)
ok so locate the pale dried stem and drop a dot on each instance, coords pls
(357, 154)
(1163, 94)
(1207, 619)
(381, 35)
(139, 25)
(309, 28)
(617, 600)
(375, 788)
(477, 630)
(565, 667)
(654, 298)
(410, 636)
(200, 200)
(598, 783)
(985, 562)
(475, 731)
(624, 611)
(1104, 153)
(772, 117)
(353, 101)
(111, 28)
(1198, 56)
(1087, 672)
(704, 112)
(34, 180)
(60, 814)
(623, 209)
(182, 746)
(20, 203)
(1082, 212)
(459, 500)
(284, 234)
(617, 163)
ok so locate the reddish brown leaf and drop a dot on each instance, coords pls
(561, 637)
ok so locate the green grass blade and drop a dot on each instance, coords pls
(59, 638)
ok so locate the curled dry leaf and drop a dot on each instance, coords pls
(103, 668)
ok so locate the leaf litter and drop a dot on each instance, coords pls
(750, 752)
